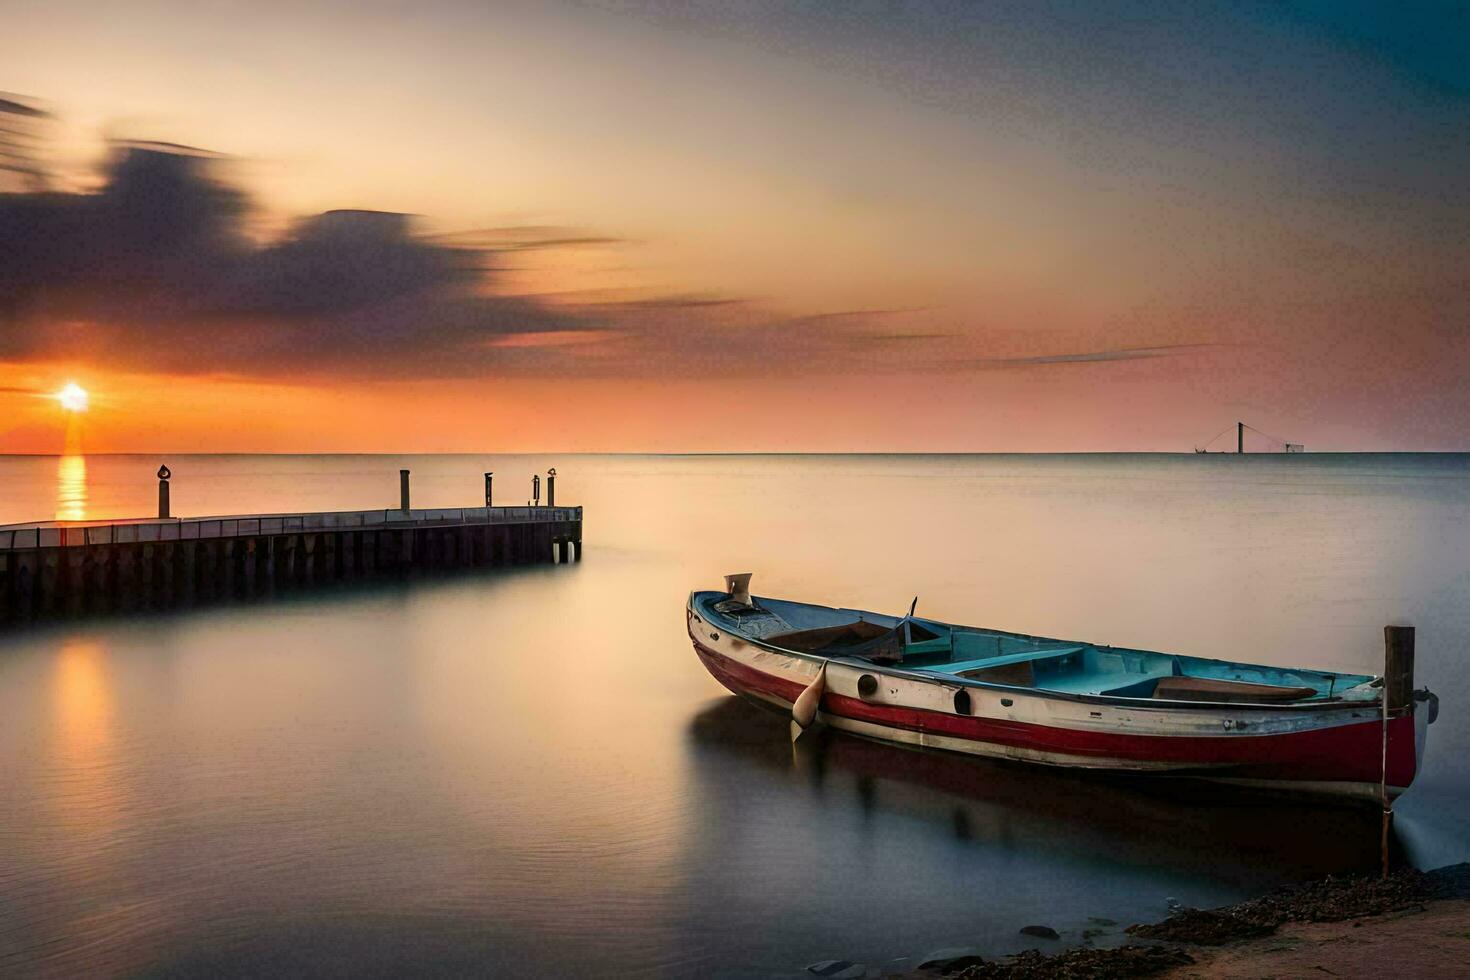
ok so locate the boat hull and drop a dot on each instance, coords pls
(1326, 750)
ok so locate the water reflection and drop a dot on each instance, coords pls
(82, 708)
(71, 488)
(861, 850)
(1052, 814)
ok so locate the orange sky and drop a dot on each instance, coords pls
(936, 228)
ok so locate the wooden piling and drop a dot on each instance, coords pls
(1397, 700)
(1398, 667)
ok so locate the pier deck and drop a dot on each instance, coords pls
(62, 567)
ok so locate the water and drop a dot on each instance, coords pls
(529, 773)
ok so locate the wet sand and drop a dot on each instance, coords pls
(1430, 941)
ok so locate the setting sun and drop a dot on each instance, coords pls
(73, 397)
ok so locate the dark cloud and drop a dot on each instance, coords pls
(156, 270)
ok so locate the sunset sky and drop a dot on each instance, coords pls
(650, 226)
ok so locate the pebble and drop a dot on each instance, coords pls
(954, 958)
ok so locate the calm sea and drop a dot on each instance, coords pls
(528, 772)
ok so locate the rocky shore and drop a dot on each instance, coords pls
(1411, 924)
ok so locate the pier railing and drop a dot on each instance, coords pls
(53, 534)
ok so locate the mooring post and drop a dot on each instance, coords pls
(163, 475)
(403, 490)
(487, 488)
(551, 487)
(1240, 437)
(536, 489)
(1398, 697)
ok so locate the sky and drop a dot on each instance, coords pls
(683, 227)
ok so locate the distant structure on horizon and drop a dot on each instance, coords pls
(1240, 427)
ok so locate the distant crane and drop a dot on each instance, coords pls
(1240, 427)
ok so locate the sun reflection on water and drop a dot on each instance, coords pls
(71, 488)
(86, 794)
(83, 703)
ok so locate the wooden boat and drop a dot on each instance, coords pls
(1065, 703)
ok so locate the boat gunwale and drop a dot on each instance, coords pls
(956, 681)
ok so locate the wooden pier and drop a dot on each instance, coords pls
(70, 567)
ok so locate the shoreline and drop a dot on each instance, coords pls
(1414, 923)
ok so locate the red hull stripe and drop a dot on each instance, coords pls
(1348, 753)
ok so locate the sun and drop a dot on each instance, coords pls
(73, 397)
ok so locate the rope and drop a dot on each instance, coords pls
(1217, 435)
(1275, 440)
(1266, 434)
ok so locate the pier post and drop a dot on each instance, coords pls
(72, 581)
(403, 490)
(551, 487)
(1240, 437)
(163, 475)
(488, 477)
(536, 489)
(222, 561)
(367, 551)
(247, 553)
(26, 570)
(188, 578)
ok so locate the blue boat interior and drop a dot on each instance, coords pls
(982, 656)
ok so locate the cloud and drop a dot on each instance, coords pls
(524, 238)
(677, 302)
(18, 134)
(156, 270)
(1091, 357)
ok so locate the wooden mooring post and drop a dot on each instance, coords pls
(54, 568)
(1398, 699)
